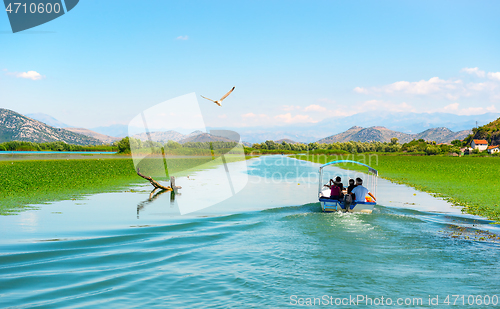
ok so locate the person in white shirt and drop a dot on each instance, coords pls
(360, 192)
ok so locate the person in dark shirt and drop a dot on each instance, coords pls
(337, 181)
(336, 191)
(351, 186)
(336, 188)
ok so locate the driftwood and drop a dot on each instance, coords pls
(154, 182)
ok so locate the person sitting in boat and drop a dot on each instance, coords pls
(351, 186)
(360, 192)
(336, 191)
(338, 181)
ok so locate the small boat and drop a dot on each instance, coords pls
(344, 205)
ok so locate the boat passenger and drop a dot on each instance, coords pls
(360, 192)
(351, 186)
(336, 191)
(338, 181)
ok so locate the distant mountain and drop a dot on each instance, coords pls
(205, 137)
(162, 136)
(372, 134)
(258, 135)
(401, 122)
(48, 120)
(14, 126)
(442, 135)
(286, 140)
(194, 133)
(405, 122)
(116, 130)
(196, 136)
(103, 138)
(381, 134)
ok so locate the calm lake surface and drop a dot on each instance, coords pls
(269, 245)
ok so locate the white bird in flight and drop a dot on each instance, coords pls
(218, 102)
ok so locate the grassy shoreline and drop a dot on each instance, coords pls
(25, 182)
(471, 182)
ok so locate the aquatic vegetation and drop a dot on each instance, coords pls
(30, 182)
(39, 181)
(468, 233)
(471, 182)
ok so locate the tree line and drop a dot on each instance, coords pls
(174, 148)
(418, 147)
(53, 146)
(414, 147)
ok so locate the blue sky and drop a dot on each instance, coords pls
(291, 61)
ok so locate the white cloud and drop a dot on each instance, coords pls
(386, 106)
(289, 108)
(224, 116)
(423, 87)
(451, 107)
(182, 38)
(491, 109)
(249, 115)
(33, 75)
(252, 116)
(288, 118)
(360, 90)
(494, 75)
(475, 71)
(433, 85)
(454, 108)
(315, 108)
(451, 89)
(477, 110)
(452, 97)
(326, 100)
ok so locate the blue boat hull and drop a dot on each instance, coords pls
(329, 205)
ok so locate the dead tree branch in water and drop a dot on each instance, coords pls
(154, 182)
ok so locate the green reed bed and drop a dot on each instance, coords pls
(27, 182)
(34, 182)
(472, 182)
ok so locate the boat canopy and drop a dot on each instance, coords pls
(370, 169)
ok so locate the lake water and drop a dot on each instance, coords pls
(267, 246)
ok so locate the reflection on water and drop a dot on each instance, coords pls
(153, 196)
(255, 249)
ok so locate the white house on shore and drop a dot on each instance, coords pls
(493, 149)
(480, 144)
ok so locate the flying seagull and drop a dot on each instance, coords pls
(220, 101)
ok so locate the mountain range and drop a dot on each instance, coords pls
(410, 123)
(103, 138)
(405, 126)
(196, 136)
(48, 120)
(382, 134)
(14, 126)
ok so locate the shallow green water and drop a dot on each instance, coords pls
(268, 246)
